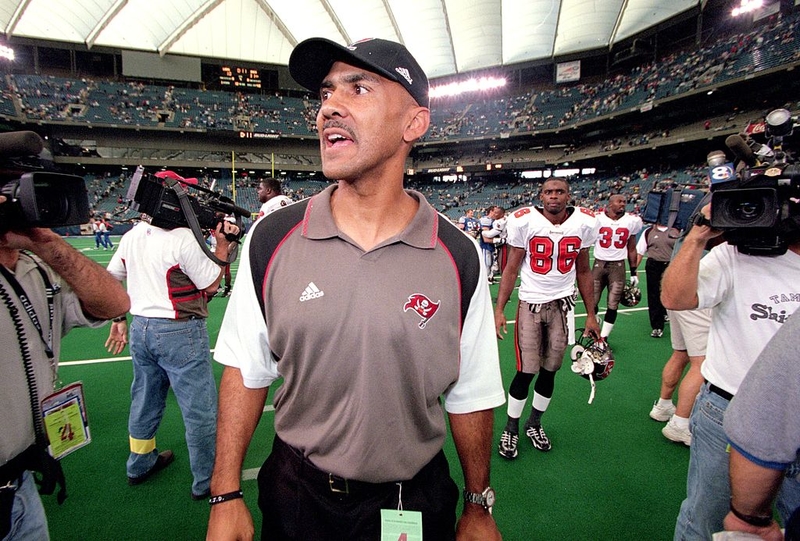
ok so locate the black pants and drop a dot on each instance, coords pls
(654, 270)
(299, 503)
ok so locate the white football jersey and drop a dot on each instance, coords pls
(548, 270)
(613, 235)
(273, 204)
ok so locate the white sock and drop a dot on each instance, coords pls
(606, 331)
(515, 407)
(664, 402)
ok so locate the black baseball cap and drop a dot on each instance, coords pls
(312, 59)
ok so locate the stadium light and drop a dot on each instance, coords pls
(6, 53)
(746, 6)
(470, 85)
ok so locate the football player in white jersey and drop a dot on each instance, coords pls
(271, 196)
(550, 246)
(616, 241)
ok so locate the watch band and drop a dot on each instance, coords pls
(759, 521)
(228, 496)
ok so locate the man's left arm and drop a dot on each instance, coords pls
(100, 294)
(472, 434)
(633, 260)
(753, 489)
(586, 288)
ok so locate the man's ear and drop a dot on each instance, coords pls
(417, 125)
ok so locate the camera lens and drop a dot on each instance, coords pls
(749, 207)
(747, 211)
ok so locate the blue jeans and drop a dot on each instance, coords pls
(173, 353)
(708, 489)
(28, 521)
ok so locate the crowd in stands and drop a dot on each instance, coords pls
(47, 98)
(107, 191)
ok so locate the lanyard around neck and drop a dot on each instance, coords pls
(29, 309)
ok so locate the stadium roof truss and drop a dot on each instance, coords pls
(447, 36)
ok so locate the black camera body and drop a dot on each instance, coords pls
(756, 209)
(160, 199)
(36, 197)
(757, 204)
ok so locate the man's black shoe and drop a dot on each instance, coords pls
(204, 496)
(164, 459)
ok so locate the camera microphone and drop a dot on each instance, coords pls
(20, 143)
(719, 169)
(741, 149)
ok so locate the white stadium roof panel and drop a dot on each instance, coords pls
(446, 36)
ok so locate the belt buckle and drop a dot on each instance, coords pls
(338, 485)
(10, 486)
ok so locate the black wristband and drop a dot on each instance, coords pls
(119, 319)
(220, 498)
(759, 521)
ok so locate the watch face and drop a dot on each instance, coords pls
(489, 496)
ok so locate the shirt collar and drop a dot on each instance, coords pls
(422, 232)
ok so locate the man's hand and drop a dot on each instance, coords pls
(117, 337)
(500, 324)
(230, 521)
(28, 239)
(772, 532)
(224, 229)
(476, 524)
(703, 231)
(592, 328)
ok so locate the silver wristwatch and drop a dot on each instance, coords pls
(485, 499)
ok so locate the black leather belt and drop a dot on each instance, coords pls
(327, 481)
(322, 479)
(720, 392)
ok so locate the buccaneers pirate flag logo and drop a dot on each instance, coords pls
(423, 306)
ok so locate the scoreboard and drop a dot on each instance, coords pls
(239, 78)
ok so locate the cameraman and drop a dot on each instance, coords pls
(47, 288)
(750, 297)
(169, 278)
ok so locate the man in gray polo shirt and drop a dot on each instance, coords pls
(374, 310)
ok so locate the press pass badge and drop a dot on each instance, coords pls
(65, 421)
(400, 525)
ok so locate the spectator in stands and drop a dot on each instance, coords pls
(342, 413)
(656, 243)
(742, 291)
(169, 278)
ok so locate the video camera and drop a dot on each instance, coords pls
(36, 197)
(672, 207)
(757, 203)
(165, 199)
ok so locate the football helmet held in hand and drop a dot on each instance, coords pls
(631, 295)
(592, 359)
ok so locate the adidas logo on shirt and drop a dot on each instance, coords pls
(311, 292)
